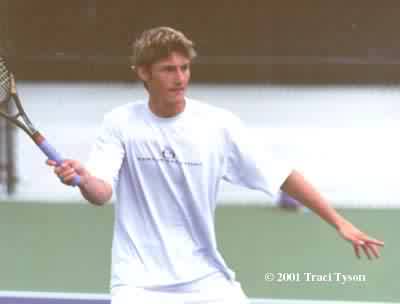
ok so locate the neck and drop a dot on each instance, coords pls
(164, 109)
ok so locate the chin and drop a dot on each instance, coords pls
(177, 100)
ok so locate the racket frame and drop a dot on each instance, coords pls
(26, 125)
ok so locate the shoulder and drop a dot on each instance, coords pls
(212, 114)
(123, 113)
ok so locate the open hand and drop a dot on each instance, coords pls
(360, 240)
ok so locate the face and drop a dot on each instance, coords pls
(167, 79)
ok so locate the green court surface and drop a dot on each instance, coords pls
(66, 248)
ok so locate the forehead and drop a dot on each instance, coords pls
(175, 58)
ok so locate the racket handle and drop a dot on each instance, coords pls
(52, 154)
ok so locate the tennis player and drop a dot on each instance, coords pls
(164, 158)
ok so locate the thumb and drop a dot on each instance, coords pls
(51, 163)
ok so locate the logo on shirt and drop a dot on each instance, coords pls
(168, 153)
(169, 156)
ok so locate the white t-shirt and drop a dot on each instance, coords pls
(166, 173)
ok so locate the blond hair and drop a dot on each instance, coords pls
(158, 43)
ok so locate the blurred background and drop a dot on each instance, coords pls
(316, 82)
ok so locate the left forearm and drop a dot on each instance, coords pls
(297, 187)
(301, 190)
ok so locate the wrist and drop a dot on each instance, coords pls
(85, 179)
(339, 223)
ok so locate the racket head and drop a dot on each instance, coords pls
(5, 82)
(10, 104)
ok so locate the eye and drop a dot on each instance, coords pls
(169, 68)
(185, 67)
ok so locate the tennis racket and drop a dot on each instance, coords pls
(8, 94)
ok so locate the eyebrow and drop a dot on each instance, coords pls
(163, 66)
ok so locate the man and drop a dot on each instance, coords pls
(164, 158)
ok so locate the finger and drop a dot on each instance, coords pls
(51, 162)
(69, 178)
(365, 249)
(62, 170)
(70, 163)
(374, 250)
(357, 250)
(64, 180)
(67, 172)
(57, 170)
(64, 165)
(375, 242)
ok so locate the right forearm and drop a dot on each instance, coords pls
(95, 190)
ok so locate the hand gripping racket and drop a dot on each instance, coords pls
(8, 94)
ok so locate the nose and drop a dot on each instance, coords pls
(180, 76)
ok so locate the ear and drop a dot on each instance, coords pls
(143, 73)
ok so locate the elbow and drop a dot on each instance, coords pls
(97, 192)
(99, 202)
(100, 198)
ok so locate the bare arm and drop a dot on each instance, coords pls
(297, 187)
(93, 189)
(300, 189)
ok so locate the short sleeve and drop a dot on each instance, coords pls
(107, 153)
(249, 162)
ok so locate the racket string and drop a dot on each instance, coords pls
(5, 87)
(11, 108)
(5, 81)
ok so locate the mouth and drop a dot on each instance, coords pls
(177, 90)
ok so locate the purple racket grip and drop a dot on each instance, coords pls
(52, 154)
